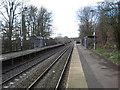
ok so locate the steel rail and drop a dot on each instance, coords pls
(21, 64)
(17, 66)
(31, 86)
(63, 71)
(9, 79)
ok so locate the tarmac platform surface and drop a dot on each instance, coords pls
(89, 70)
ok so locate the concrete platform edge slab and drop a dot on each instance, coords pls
(76, 77)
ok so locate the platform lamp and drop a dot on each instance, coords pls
(94, 31)
(21, 36)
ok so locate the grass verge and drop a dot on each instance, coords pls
(112, 56)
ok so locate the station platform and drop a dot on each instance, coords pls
(8, 56)
(90, 70)
(76, 77)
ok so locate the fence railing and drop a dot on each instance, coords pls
(17, 46)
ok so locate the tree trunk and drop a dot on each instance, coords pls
(10, 37)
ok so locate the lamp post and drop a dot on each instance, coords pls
(94, 31)
(21, 36)
(94, 39)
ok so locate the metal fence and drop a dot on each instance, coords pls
(16, 46)
(25, 45)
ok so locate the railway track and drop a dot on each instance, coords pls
(27, 61)
(52, 76)
(9, 81)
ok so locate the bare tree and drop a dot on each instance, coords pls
(44, 20)
(85, 18)
(103, 23)
(19, 22)
(9, 14)
(110, 11)
(32, 19)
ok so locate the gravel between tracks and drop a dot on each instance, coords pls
(9, 74)
(51, 78)
(65, 76)
(35, 72)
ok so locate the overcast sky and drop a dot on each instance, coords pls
(64, 14)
